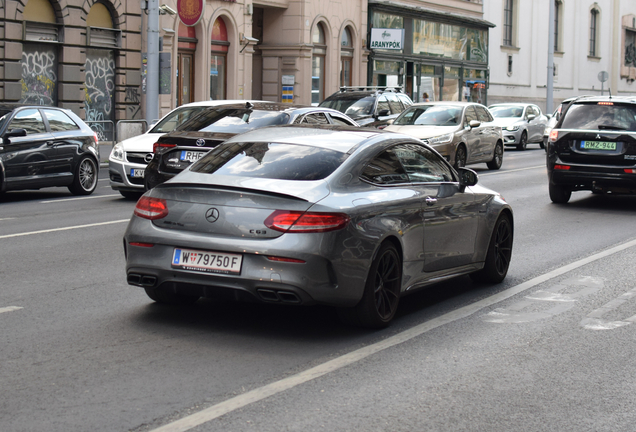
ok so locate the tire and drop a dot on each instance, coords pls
(85, 180)
(460, 157)
(165, 297)
(542, 144)
(498, 254)
(381, 294)
(523, 142)
(497, 157)
(559, 194)
(131, 195)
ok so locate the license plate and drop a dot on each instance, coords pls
(191, 156)
(598, 145)
(207, 261)
(137, 172)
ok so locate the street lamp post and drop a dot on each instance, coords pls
(549, 101)
(152, 77)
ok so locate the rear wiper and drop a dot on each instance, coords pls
(605, 127)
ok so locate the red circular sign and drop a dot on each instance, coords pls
(190, 11)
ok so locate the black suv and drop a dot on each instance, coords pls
(593, 147)
(369, 106)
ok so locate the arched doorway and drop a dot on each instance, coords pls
(218, 60)
(185, 64)
(99, 81)
(39, 60)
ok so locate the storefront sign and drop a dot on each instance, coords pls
(382, 38)
(190, 11)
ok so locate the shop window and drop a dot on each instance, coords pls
(218, 60)
(318, 65)
(346, 57)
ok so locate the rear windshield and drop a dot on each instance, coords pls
(235, 120)
(600, 117)
(177, 117)
(270, 160)
(352, 106)
(431, 115)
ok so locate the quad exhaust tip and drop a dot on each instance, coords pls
(278, 296)
(141, 280)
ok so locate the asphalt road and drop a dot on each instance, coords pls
(549, 349)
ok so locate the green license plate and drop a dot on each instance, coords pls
(598, 145)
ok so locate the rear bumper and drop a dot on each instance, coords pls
(596, 178)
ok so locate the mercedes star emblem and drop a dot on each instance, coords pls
(212, 215)
(200, 142)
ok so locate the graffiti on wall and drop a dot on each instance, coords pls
(39, 78)
(132, 95)
(99, 92)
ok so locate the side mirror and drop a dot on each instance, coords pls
(16, 133)
(474, 123)
(467, 177)
(531, 117)
(383, 113)
(390, 122)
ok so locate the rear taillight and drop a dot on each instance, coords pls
(138, 244)
(562, 167)
(151, 208)
(630, 171)
(300, 222)
(161, 146)
(96, 138)
(554, 135)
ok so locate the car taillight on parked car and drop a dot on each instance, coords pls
(161, 146)
(151, 208)
(309, 222)
(554, 135)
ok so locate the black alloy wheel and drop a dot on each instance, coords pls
(381, 294)
(497, 157)
(85, 180)
(499, 253)
(460, 157)
(523, 142)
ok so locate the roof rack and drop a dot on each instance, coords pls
(366, 88)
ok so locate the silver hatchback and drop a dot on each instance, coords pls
(338, 216)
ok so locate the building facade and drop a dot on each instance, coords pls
(81, 55)
(594, 49)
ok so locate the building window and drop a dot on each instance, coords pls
(346, 57)
(218, 60)
(630, 48)
(593, 31)
(508, 22)
(557, 16)
(318, 65)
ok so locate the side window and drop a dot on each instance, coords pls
(422, 165)
(383, 104)
(336, 119)
(470, 115)
(385, 169)
(483, 115)
(59, 121)
(405, 100)
(537, 110)
(30, 120)
(315, 118)
(394, 103)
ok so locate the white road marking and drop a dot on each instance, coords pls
(3, 219)
(80, 198)
(511, 171)
(63, 229)
(258, 394)
(10, 309)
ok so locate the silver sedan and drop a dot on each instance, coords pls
(521, 123)
(338, 216)
(463, 132)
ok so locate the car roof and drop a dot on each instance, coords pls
(511, 104)
(456, 103)
(593, 99)
(333, 137)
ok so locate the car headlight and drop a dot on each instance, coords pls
(117, 153)
(512, 128)
(442, 139)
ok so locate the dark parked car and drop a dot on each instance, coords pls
(44, 147)
(369, 106)
(175, 151)
(347, 217)
(593, 147)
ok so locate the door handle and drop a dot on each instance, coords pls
(430, 201)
